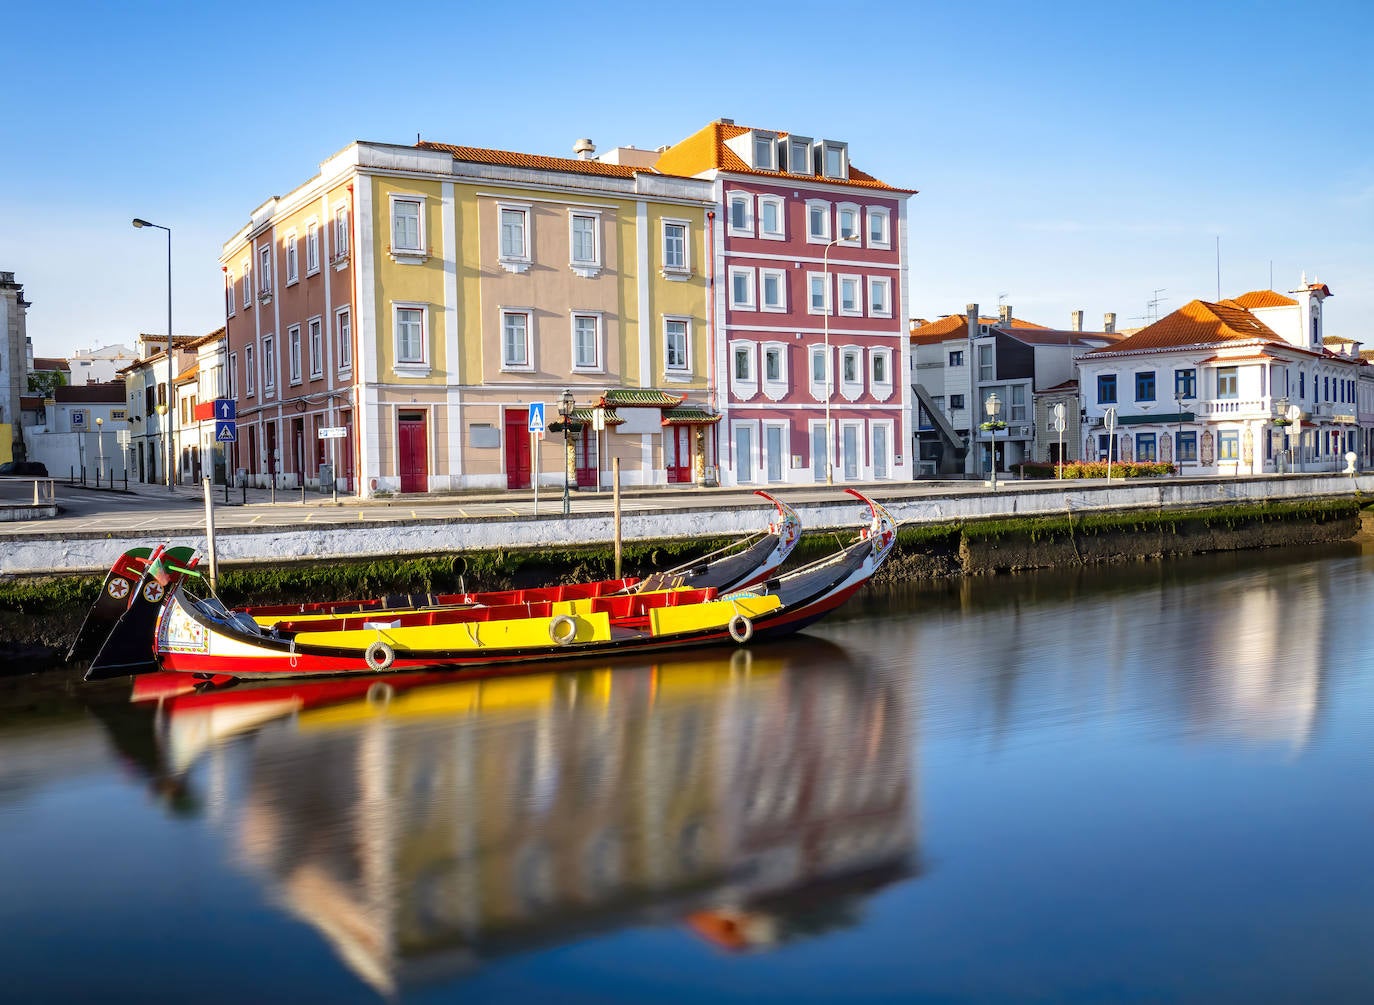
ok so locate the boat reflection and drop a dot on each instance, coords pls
(426, 825)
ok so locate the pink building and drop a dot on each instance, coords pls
(808, 291)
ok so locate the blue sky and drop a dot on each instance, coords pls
(1070, 155)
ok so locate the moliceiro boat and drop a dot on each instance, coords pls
(200, 636)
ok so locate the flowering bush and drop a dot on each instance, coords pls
(992, 425)
(1096, 469)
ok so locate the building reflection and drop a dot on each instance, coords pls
(431, 825)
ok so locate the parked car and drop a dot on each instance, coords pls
(24, 469)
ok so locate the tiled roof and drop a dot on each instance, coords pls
(508, 158)
(705, 150)
(189, 374)
(1196, 323)
(196, 343)
(585, 415)
(1263, 298)
(50, 363)
(633, 397)
(1068, 385)
(957, 324)
(30, 402)
(98, 394)
(689, 415)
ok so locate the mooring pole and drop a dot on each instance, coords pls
(615, 507)
(210, 534)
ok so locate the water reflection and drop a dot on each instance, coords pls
(430, 825)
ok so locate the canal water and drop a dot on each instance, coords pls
(1142, 784)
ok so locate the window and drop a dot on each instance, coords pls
(312, 248)
(675, 348)
(834, 159)
(743, 357)
(585, 239)
(799, 155)
(1228, 445)
(742, 289)
(515, 340)
(410, 334)
(819, 299)
(316, 349)
(1017, 412)
(880, 372)
(247, 285)
(849, 366)
(341, 233)
(1228, 382)
(293, 351)
(817, 221)
(986, 369)
(1145, 385)
(264, 272)
(956, 357)
(773, 284)
(849, 296)
(771, 218)
(772, 364)
(292, 258)
(879, 227)
(586, 330)
(405, 226)
(1302, 384)
(343, 330)
(956, 402)
(741, 215)
(849, 229)
(820, 371)
(1106, 389)
(233, 375)
(515, 234)
(229, 294)
(1145, 447)
(269, 365)
(765, 150)
(1187, 446)
(879, 297)
(675, 246)
(1185, 383)
(248, 370)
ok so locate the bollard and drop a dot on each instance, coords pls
(245, 491)
(126, 480)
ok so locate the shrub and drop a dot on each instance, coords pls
(1095, 469)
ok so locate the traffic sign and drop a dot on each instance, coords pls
(226, 408)
(333, 432)
(79, 417)
(536, 416)
(226, 431)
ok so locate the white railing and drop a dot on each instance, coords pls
(1235, 407)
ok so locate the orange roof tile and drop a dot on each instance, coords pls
(705, 150)
(957, 324)
(1196, 323)
(508, 158)
(1263, 298)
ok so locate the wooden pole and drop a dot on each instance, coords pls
(210, 535)
(615, 490)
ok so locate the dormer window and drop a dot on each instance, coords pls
(833, 159)
(765, 152)
(799, 155)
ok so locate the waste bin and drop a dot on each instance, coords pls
(326, 477)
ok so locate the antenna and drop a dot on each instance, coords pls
(1152, 307)
(1001, 297)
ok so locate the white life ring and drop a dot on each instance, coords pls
(741, 628)
(379, 655)
(563, 630)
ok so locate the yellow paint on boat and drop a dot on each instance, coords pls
(475, 636)
(714, 614)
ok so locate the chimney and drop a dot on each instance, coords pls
(585, 149)
(972, 311)
(1109, 322)
(1075, 321)
(1004, 315)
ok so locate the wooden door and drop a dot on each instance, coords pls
(413, 453)
(678, 453)
(588, 457)
(517, 448)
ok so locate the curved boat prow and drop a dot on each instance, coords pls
(882, 530)
(128, 649)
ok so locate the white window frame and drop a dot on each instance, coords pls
(293, 258)
(342, 235)
(781, 276)
(878, 214)
(514, 262)
(883, 283)
(832, 146)
(746, 351)
(598, 342)
(811, 308)
(807, 165)
(768, 140)
(508, 364)
(312, 247)
(750, 300)
(880, 389)
(293, 354)
(315, 340)
(586, 268)
(817, 387)
(265, 267)
(733, 198)
(230, 294)
(851, 390)
(247, 283)
(856, 281)
(891, 457)
(343, 337)
(409, 367)
(419, 252)
(685, 369)
(269, 366)
(685, 269)
(853, 209)
(779, 233)
(825, 209)
(233, 375)
(775, 388)
(248, 382)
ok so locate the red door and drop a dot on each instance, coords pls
(588, 457)
(517, 448)
(413, 452)
(678, 453)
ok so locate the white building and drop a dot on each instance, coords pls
(99, 365)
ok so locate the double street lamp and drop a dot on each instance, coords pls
(993, 407)
(171, 412)
(565, 411)
(829, 363)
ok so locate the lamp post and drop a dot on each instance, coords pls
(565, 410)
(100, 448)
(992, 406)
(829, 363)
(139, 224)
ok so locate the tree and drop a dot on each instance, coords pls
(44, 382)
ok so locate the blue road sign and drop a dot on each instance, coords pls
(226, 408)
(536, 416)
(79, 417)
(226, 431)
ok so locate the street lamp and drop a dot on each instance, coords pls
(140, 224)
(565, 411)
(1282, 406)
(100, 448)
(829, 363)
(992, 406)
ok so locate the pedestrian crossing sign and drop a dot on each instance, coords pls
(536, 416)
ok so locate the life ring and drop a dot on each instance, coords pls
(379, 655)
(380, 693)
(741, 628)
(563, 630)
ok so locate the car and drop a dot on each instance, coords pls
(24, 469)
